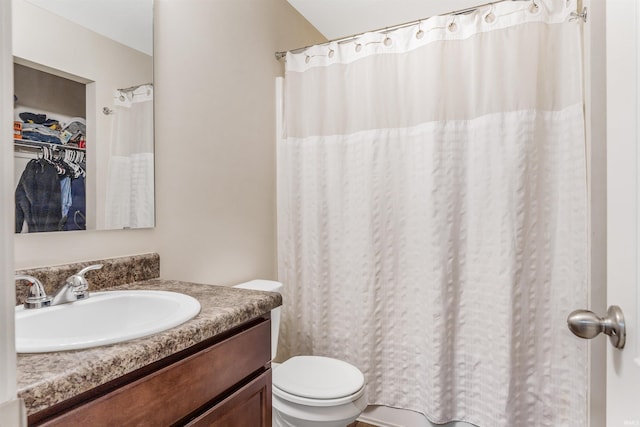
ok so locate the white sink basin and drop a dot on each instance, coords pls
(104, 318)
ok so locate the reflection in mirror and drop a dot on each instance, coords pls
(50, 146)
(83, 130)
(129, 198)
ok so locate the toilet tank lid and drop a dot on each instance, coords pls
(261, 285)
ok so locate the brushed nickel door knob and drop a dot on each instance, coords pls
(586, 324)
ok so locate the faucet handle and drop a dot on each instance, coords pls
(89, 268)
(37, 298)
(78, 282)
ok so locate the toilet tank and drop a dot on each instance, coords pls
(270, 286)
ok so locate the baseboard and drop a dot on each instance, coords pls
(385, 416)
(13, 414)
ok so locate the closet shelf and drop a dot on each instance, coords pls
(38, 144)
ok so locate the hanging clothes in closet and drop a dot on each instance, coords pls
(38, 198)
(50, 195)
(76, 215)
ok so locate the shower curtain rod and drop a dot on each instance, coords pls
(283, 54)
(132, 88)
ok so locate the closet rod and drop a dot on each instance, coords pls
(283, 54)
(38, 144)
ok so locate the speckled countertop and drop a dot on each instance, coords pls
(48, 378)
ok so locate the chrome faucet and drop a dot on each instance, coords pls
(75, 287)
(37, 297)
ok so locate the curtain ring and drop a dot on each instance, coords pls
(490, 17)
(534, 8)
(420, 33)
(387, 40)
(453, 27)
(331, 53)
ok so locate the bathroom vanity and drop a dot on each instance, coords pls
(212, 370)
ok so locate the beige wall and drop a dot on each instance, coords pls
(215, 121)
(39, 90)
(215, 145)
(596, 118)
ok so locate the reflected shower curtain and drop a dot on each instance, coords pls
(432, 213)
(130, 189)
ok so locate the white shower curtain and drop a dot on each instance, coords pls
(130, 188)
(432, 213)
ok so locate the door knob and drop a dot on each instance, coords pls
(586, 324)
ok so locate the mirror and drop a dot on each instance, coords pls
(83, 73)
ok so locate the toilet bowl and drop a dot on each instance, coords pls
(311, 391)
(314, 391)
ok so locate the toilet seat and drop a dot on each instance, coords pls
(316, 402)
(317, 381)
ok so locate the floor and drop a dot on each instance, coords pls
(360, 424)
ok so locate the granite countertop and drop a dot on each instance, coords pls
(45, 379)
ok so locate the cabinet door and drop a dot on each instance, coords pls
(249, 406)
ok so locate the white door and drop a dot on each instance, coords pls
(623, 122)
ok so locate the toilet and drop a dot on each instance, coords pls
(311, 391)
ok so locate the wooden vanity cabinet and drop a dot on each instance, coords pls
(249, 406)
(224, 381)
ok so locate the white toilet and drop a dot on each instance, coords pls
(311, 391)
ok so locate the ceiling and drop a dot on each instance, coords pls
(341, 18)
(129, 22)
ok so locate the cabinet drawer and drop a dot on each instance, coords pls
(164, 397)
